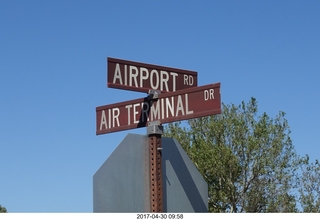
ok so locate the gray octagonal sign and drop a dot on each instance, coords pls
(121, 184)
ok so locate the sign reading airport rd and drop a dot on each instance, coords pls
(141, 77)
(169, 107)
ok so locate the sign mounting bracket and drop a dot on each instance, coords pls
(153, 94)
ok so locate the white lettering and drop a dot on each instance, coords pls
(185, 79)
(128, 107)
(164, 80)
(115, 114)
(208, 94)
(145, 111)
(109, 118)
(211, 93)
(125, 75)
(133, 75)
(168, 107)
(179, 106)
(117, 74)
(174, 81)
(190, 80)
(154, 86)
(187, 105)
(103, 120)
(155, 111)
(135, 112)
(143, 77)
(171, 106)
(162, 109)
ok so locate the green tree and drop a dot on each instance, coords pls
(2, 209)
(248, 160)
(309, 190)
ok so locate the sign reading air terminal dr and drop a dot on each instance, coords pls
(141, 77)
(169, 107)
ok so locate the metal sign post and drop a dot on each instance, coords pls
(155, 131)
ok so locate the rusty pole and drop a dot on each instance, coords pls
(154, 131)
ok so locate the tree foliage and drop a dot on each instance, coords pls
(248, 161)
(309, 190)
(2, 209)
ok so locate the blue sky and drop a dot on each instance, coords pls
(53, 76)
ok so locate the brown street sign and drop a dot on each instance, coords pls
(169, 107)
(129, 75)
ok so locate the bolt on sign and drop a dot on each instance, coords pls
(141, 77)
(169, 107)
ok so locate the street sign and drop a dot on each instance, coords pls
(169, 107)
(141, 77)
